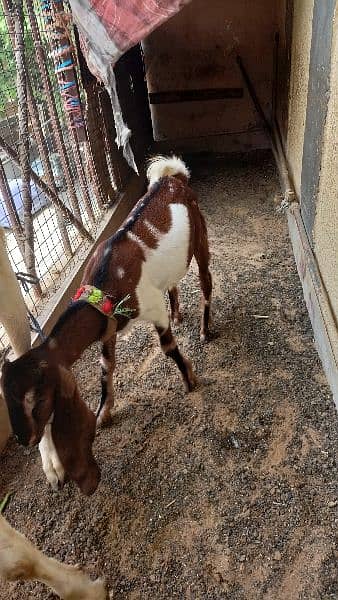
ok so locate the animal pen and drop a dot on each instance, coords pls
(231, 491)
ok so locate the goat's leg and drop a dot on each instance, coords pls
(202, 258)
(107, 361)
(176, 314)
(170, 348)
(206, 285)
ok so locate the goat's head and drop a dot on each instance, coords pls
(36, 394)
(28, 386)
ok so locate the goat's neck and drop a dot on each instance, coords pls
(77, 333)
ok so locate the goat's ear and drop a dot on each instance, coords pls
(73, 431)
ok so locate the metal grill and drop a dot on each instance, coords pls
(45, 156)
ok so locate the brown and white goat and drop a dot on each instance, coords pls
(21, 560)
(145, 258)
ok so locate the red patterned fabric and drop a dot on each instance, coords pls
(107, 29)
(125, 22)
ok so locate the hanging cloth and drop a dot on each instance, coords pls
(107, 29)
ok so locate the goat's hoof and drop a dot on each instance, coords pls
(104, 420)
(191, 384)
(205, 336)
(190, 380)
(177, 318)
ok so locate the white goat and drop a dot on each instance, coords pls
(19, 559)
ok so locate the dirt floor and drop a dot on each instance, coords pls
(229, 492)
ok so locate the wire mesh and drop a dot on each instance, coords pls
(57, 153)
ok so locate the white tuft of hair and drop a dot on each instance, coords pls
(162, 166)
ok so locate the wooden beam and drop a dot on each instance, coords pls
(178, 96)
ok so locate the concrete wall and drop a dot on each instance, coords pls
(299, 77)
(325, 231)
(196, 50)
(312, 155)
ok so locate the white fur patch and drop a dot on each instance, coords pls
(120, 272)
(138, 240)
(105, 364)
(30, 397)
(51, 463)
(164, 267)
(156, 232)
(162, 166)
(167, 264)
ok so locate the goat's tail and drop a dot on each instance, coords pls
(162, 166)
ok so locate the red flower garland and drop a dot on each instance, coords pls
(107, 306)
(79, 293)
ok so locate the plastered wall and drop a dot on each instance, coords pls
(197, 50)
(312, 152)
(299, 77)
(325, 233)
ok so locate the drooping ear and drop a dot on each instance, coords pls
(73, 432)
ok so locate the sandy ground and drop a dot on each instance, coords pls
(228, 492)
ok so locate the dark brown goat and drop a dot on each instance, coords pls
(147, 256)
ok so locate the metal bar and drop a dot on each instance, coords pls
(94, 177)
(56, 24)
(177, 96)
(253, 94)
(47, 168)
(276, 145)
(56, 21)
(274, 94)
(81, 175)
(97, 145)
